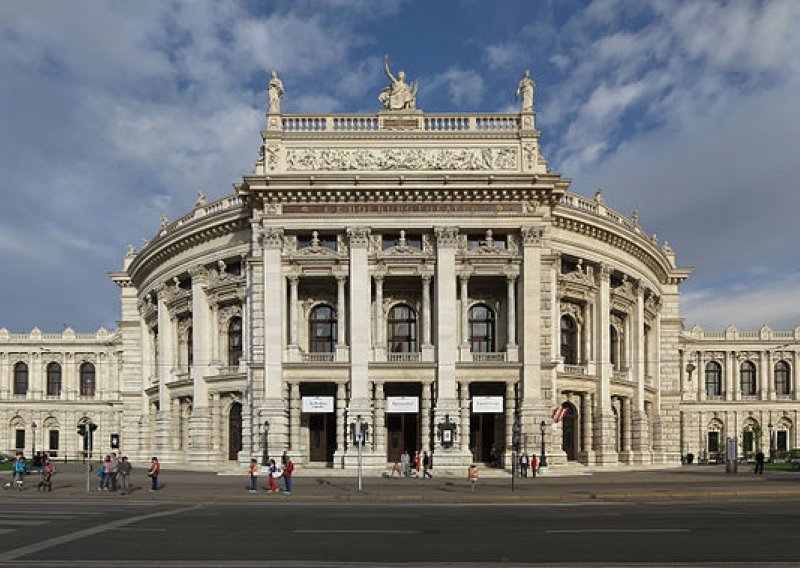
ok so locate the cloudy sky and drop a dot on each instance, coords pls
(114, 113)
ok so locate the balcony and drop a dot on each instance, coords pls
(317, 357)
(489, 357)
(575, 369)
(412, 357)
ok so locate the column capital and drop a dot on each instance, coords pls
(532, 236)
(294, 278)
(200, 274)
(603, 272)
(272, 238)
(446, 237)
(359, 236)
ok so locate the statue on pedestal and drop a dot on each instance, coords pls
(526, 88)
(399, 95)
(275, 93)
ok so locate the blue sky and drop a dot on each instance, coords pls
(114, 113)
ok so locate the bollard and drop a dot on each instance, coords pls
(473, 476)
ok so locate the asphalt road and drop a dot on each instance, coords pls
(307, 534)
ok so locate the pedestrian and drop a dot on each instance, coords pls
(253, 473)
(124, 475)
(523, 465)
(396, 469)
(426, 466)
(45, 478)
(104, 473)
(288, 471)
(152, 473)
(534, 465)
(20, 469)
(284, 459)
(417, 463)
(759, 463)
(405, 463)
(114, 468)
(271, 485)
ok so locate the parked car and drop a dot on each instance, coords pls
(5, 458)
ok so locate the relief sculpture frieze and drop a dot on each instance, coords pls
(387, 159)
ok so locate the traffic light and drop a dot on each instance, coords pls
(82, 430)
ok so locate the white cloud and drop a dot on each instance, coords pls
(464, 86)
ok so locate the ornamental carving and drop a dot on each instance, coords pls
(200, 274)
(532, 236)
(446, 236)
(583, 276)
(273, 238)
(572, 309)
(359, 236)
(652, 303)
(387, 159)
(226, 314)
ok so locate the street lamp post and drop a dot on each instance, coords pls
(771, 443)
(516, 431)
(265, 443)
(33, 449)
(543, 457)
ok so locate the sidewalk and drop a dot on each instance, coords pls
(689, 482)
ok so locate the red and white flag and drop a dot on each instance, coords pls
(559, 412)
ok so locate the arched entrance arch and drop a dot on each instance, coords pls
(234, 431)
(570, 435)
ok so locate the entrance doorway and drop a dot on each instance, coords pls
(321, 437)
(234, 431)
(403, 434)
(485, 438)
(569, 429)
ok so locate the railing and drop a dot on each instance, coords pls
(575, 369)
(231, 370)
(317, 357)
(412, 357)
(621, 374)
(489, 357)
(429, 123)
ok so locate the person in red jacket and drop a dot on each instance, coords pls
(534, 465)
(288, 470)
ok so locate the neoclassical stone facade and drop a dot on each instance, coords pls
(413, 271)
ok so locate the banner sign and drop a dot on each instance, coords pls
(317, 404)
(402, 404)
(487, 404)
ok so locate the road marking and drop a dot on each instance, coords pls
(6, 531)
(609, 531)
(22, 522)
(354, 531)
(63, 539)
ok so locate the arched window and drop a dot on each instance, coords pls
(189, 347)
(21, 378)
(234, 341)
(614, 339)
(569, 340)
(322, 329)
(87, 379)
(402, 324)
(53, 379)
(481, 329)
(782, 378)
(747, 378)
(713, 379)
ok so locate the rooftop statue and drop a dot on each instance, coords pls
(275, 93)
(526, 88)
(399, 95)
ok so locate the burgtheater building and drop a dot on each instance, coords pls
(425, 274)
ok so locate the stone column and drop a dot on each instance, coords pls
(214, 416)
(294, 324)
(793, 378)
(767, 392)
(446, 340)
(427, 346)
(273, 291)
(425, 422)
(587, 406)
(360, 296)
(341, 405)
(380, 421)
(605, 440)
(730, 371)
(463, 430)
(200, 419)
(465, 347)
(380, 326)
(640, 428)
(511, 317)
(341, 318)
(701, 377)
(737, 382)
(164, 416)
(295, 414)
(586, 351)
(626, 407)
(510, 408)
(534, 407)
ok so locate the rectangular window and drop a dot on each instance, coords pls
(747, 441)
(54, 439)
(782, 441)
(713, 442)
(19, 442)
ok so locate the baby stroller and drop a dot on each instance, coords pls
(17, 482)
